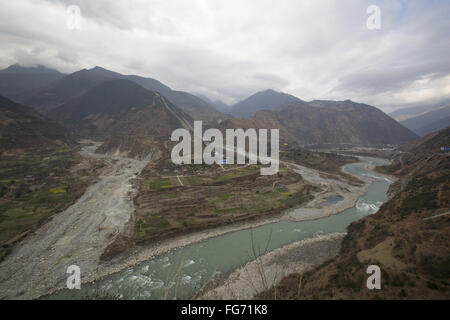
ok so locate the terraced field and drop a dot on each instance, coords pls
(167, 205)
(34, 187)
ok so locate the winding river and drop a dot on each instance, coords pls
(180, 273)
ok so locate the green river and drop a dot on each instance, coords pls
(180, 273)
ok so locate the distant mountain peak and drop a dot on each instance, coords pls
(57, 89)
(102, 71)
(268, 99)
(17, 68)
(217, 104)
(268, 91)
(98, 68)
(120, 108)
(18, 82)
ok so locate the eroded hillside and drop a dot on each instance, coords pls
(408, 238)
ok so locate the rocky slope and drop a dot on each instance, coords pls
(128, 117)
(264, 100)
(328, 123)
(429, 144)
(408, 238)
(18, 82)
(22, 128)
(217, 104)
(78, 83)
(429, 122)
(411, 112)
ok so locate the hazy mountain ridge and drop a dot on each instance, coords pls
(430, 143)
(434, 126)
(69, 87)
(78, 83)
(94, 112)
(118, 109)
(18, 82)
(429, 122)
(79, 96)
(328, 123)
(263, 100)
(217, 104)
(22, 128)
(409, 112)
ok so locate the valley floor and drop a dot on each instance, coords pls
(80, 235)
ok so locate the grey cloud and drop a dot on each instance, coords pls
(229, 50)
(371, 81)
(270, 80)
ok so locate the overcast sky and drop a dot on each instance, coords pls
(230, 49)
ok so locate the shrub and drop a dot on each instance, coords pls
(432, 285)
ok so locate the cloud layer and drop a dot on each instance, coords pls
(230, 49)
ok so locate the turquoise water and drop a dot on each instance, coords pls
(180, 273)
(331, 200)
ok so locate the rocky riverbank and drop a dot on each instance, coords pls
(80, 234)
(265, 271)
(348, 192)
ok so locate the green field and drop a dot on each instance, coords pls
(33, 188)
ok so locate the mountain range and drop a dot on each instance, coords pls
(98, 103)
(18, 82)
(429, 144)
(404, 113)
(424, 119)
(217, 104)
(22, 128)
(264, 100)
(119, 107)
(429, 122)
(63, 88)
(124, 115)
(328, 123)
(408, 237)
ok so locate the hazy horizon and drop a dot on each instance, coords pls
(228, 51)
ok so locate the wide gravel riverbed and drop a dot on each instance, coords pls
(178, 268)
(76, 236)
